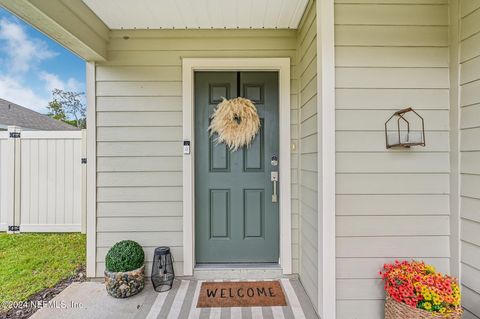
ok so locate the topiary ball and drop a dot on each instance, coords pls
(125, 255)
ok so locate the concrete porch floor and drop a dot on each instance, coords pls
(90, 300)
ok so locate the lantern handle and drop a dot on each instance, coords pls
(403, 111)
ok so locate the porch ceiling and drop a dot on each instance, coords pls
(199, 14)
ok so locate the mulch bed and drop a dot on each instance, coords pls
(43, 296)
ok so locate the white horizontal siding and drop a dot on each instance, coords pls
(391, 99)
(389, 35)
(391, 204)
(394, 1)
(138, 163)
(203, 41)
(308, 134)
(374, 119)
(374, 142)
(470, 156)
(390, 14)
(139, 131)
(367, 268)
(392, 78)
(387, 204)
(391, 57)
(392, 184)
(140, 89)
(395, 162)
(364, 226)
(399, 246)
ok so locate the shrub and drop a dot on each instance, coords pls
(125, 255)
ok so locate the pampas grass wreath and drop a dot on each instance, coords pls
(236, 122)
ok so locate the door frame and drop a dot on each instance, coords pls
(282, 66)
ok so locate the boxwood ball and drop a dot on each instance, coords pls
(125, 255)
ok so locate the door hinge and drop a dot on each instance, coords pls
(14, 134)
(15, 228)
(84, 160)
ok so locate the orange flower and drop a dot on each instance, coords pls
(419, 285)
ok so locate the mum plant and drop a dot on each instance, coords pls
(419, 286)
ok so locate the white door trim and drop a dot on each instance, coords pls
(189, 66)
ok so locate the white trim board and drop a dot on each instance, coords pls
(189, 66)
(35, 135)
(326, 158)
(49, 228)
(91, 171)
(455, 142)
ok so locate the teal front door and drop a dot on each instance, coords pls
(236, 218)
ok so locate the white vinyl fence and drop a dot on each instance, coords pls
(42, 181)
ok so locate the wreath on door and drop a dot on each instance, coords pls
(236, 122)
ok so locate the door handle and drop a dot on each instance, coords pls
(274, 179)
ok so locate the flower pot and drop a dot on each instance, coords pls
(125, 284)
(399, 310)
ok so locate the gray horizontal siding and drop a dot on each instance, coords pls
(139, 131)
(470, 156)
(308, 134)
(390, 204)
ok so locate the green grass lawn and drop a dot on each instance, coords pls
(30, 263)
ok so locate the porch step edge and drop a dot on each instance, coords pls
(216, 273)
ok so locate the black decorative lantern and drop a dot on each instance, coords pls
(162, 270)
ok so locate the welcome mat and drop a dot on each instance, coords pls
(241, 294)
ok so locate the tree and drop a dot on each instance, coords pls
(68, 107)
(56, 110)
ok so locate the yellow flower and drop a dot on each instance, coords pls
(427, 306)
(427, 296)
(442, 310)
(437, 301)
(430, 268)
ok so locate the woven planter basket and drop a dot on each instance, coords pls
(399, 310)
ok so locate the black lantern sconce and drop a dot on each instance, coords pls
(162, 269)
(405, 134)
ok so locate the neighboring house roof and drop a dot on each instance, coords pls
(14, 114)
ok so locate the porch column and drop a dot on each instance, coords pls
(326, 158)
(91, 218)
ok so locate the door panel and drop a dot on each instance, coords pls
(254, 217)
(235, 218)
(219, 157)
(219, 213)
(254, 156)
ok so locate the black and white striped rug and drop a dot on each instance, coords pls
(180, 302)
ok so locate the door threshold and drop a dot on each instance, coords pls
(238, 266)
(242, 271)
